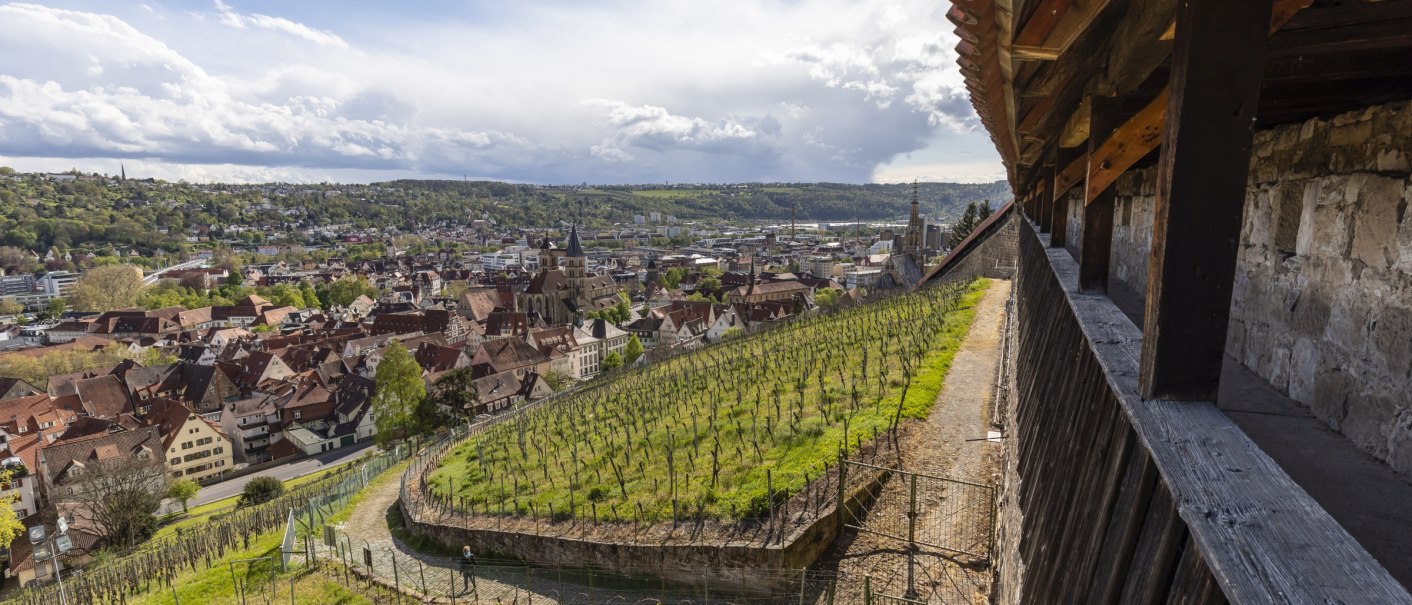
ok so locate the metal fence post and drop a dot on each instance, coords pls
(422, 570)
(868, 590)
(912, 537)
(396, 579)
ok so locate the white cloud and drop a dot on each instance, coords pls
(229, 17)
(672, 90)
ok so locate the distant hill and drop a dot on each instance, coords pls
(99, 214)
(751, 201)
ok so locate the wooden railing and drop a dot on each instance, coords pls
(1133, 500)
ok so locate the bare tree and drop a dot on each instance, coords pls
(118, 497)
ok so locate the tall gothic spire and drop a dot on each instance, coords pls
(575, 248)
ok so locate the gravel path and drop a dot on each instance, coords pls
(938, 447)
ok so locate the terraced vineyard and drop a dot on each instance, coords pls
(718, 432)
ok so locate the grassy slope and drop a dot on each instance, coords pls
(203, 513)
(786, 392)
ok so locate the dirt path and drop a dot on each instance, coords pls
(439, 578)
(948, 512)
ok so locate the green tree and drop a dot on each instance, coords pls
(107, 288)
(970, 219)
(10, 525)
(671, 278)
(235, 278)
(347, 289)
(261, 489)
(311, 297)
(633, 350)
(612, 362)
(55, 307)
(183, 490)
(455, 390)
(827, 298)
(623, 313)
(285, 295)
(709, 285)
(10, 307)
(556, 379)
(397, 392)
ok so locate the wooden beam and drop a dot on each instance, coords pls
(1201, 180)
(1143, 132)
(1053, 27)
(1136, 138)
(1281, 13)
(1096, 249)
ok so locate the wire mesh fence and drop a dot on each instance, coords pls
(929, 511)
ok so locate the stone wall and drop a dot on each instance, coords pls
(741, 565)
(995, 257)
(1323, 292)
(1132, 229)
(1075, 220)
(1322, 307)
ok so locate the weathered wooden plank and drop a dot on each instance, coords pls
(1259, 533)
(1201, 181)
(1045, 17)
(1119, 538)
(1193, 583)
(1048, 34)
(1154, 562)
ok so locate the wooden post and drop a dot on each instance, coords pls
(1059, 208)
(1201, 181)
(1046, 200)
(1096, 249)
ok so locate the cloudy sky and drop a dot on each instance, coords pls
(558, 91)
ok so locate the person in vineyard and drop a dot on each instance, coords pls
(468, 567)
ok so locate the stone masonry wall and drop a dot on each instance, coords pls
(1322, 307)
(1132, 228)
(995, 257)
(1075, 222)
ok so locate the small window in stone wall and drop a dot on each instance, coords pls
(1125, 210)
(1289, 204)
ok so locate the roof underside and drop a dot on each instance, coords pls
(1032, 66)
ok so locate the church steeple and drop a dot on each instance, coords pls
(750, 285)
(575, 248)
(913, 241)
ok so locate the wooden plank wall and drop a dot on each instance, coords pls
(1129, 500)
(1099, 527)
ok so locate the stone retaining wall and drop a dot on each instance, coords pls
(724, 567)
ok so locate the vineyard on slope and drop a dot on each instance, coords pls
(718, 432)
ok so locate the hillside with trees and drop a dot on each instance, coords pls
(141, 221)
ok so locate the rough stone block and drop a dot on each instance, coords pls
(1331, 391)
(1369, 419)
(1304, 361)
(1391, 341)
(1399, 442)
(1375, 234)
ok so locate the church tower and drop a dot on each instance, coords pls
(575, 265)
(912, 243)
(546, 256)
